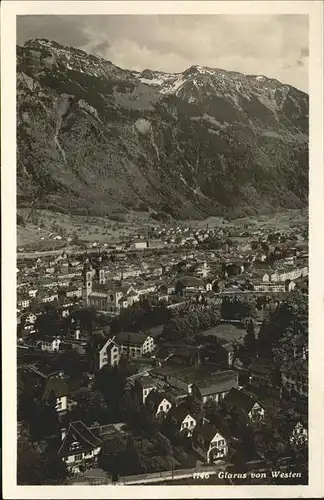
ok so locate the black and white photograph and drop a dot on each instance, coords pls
(162, 221)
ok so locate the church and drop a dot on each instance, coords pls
(104, 295)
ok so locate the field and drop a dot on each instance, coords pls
(279, 221)
(43, 224)
(226, 331)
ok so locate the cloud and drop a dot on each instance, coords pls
(276, 46)
(67, 30)
(303, 57)
(101, 48)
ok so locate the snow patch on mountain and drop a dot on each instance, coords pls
(153, 81)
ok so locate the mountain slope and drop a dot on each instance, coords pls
(93, 137)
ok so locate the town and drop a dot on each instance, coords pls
(170, 354)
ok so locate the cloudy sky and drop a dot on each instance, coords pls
(274, 46)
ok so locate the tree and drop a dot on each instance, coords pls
(285, 331)
(269, 443)
(86, 317)
(149, 425)
(70, 362)
(43, 419)
(30, 464)
(130, 460)
(91, 406)
(91, 349)
(48, 323)
(109, 458)
(55, 470)
(194, 404)
(249, 344)
(170, 429)
(164, 445)
(128, 408)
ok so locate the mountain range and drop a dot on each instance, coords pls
(93, 138)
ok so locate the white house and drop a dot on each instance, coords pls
(144, 386)
(213, 442)
(109, 353)
(134, 345)
(23, 302)
(139, 244)
(299, 435)
(245, 404)
(185, 421)
(188, 423)
(31, 318)
(59, 389)
(159, 404)
(79, 446)
(50, 344)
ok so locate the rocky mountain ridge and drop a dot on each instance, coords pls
(93, 137)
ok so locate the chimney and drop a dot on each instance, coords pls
(63, 433)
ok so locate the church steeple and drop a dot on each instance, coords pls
(87, 281)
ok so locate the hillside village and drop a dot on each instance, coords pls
(180, 348)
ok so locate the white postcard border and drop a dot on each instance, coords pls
(9, 10)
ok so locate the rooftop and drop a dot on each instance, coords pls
(58, 386)
(130, 338)
(218, 382)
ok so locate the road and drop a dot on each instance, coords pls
(157, 477)
(40, 254)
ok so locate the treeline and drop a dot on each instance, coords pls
(193, 322)
(233, 308)
(141, 316)
(284, 334)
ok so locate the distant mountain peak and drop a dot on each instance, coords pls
(194, 143)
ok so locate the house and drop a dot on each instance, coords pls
(144, 385)
(268, 287)
(109, 353)
(183, 418)
(30, 318)
(202, 269)
(80, 446)
(51, 297)
(189, 284)
(232, 269)
(166, 289)
(181, 379)
(211, 441)
(216, 386)
(134, 345)
(158, 402)
(23, 301)
(186, 355)
(218, 351)
(139, 244)
(299, 434)
(245, 404)
(263, 374)
(50, 344)
(58, 388)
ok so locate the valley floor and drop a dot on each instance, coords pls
(43, 226)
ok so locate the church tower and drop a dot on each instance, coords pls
(87, 282)
(102, 277)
